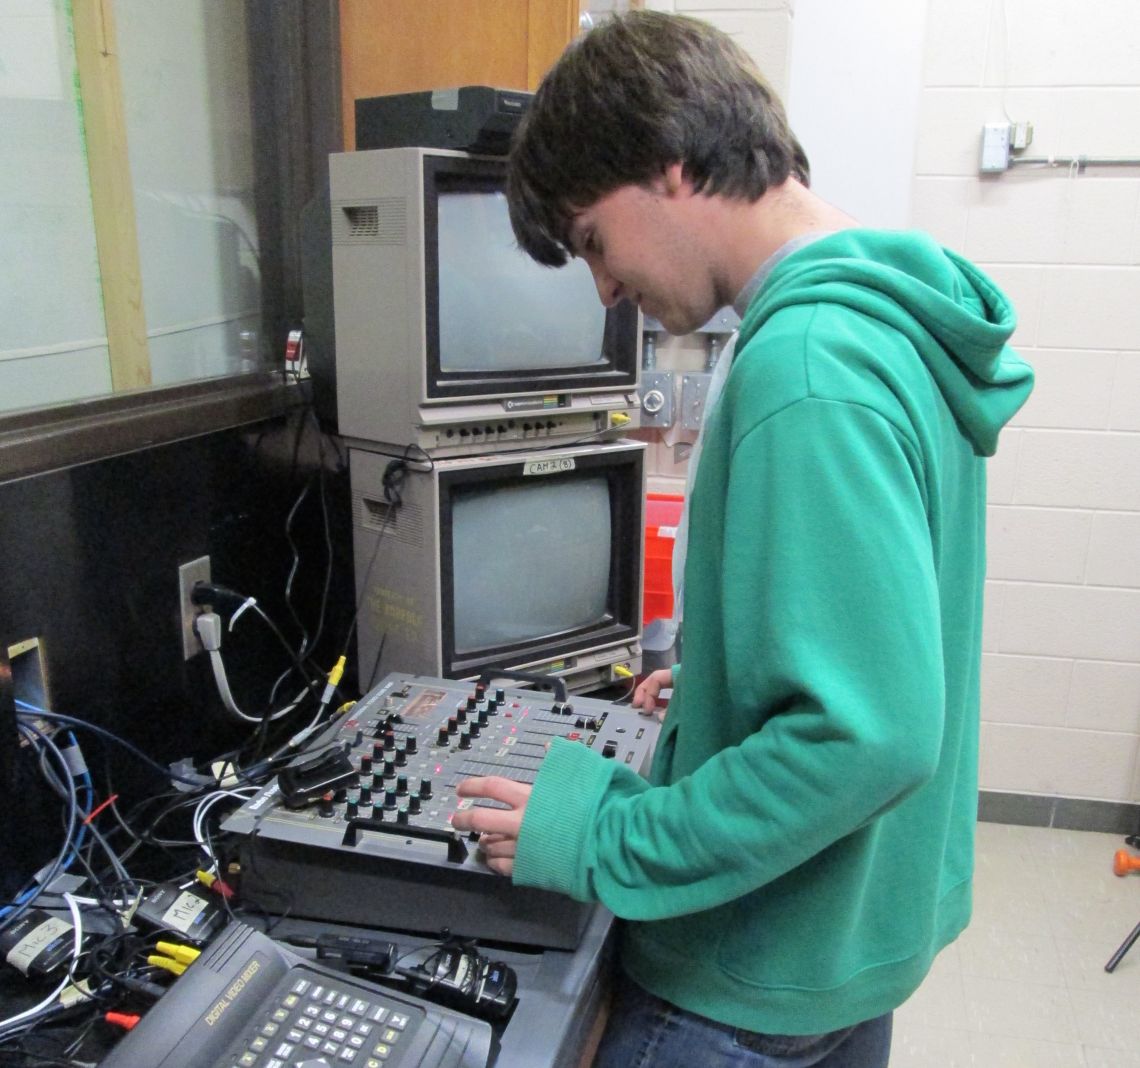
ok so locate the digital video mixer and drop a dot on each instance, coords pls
(358, 829)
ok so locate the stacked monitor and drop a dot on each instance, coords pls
(497, 515)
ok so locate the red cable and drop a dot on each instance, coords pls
(99, 808)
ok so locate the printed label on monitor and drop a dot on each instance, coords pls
(548, 467)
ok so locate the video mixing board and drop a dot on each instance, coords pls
(358, 829)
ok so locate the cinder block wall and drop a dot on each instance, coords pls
(1061, 672)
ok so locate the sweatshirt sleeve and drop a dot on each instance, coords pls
(828, 595)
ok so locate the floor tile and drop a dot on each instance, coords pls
(1025, 986)
(1021, 1010)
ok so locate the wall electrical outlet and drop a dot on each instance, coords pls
(29, 673)
(189, 573)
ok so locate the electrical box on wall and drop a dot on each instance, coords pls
(29, 673)
(657, 398)
(995, 147)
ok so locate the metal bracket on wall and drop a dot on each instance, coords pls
(657, 398)
(694, 392)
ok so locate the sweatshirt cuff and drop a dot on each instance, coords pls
(559, 819)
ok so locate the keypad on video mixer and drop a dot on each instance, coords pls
(315, 1020)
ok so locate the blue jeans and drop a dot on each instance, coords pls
(645, 1032)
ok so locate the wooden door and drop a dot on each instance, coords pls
(399, 46)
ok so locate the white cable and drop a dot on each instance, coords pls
(204, 806)
(209, 628)
(249, 602)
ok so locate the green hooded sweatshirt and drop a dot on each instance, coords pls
(804, 846)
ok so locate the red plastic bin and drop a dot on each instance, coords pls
(662, 514)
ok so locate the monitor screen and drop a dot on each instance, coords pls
(530, 560)
(498, 309)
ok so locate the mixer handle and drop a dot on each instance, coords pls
(456, 850)
(545, 682)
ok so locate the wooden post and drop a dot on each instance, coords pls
(112, 193)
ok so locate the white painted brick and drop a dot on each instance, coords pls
(951, 120)
(1037, 544)
(1083, 622)
(1073, 389)
(1078, 469)
(1025, 689)
(1097, 764)
(667, 461)
(1114, 550)
(940, 206)
(1057, 761)
(994, 596)
(711, 7)
(1001, 468)
(1136, 237)
(1096, 230)
(956, 32)
(1018, 758)
(1090, 308)
(764, 35)
(1125, 413)
(1060, 42)
(1103, 121)
(1017, 218)
(1104, 696)
(665, 484)
(1024, 285)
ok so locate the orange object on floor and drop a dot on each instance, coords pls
(1124, 862)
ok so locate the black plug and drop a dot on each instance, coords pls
(210, 594)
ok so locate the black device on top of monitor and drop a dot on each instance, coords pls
(471, 118)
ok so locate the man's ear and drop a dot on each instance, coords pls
(669, 182)
(674, 178)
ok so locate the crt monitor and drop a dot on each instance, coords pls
(528, 560)
(448, 336)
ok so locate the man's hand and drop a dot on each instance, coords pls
(646, 694)
(498, 827)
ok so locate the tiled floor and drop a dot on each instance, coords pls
(1025, 986)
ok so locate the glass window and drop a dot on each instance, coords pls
(126, 198)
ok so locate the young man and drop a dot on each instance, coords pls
(804, 846)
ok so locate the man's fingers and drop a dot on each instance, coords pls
(497, 845)
(504, 821)
(492, 820)
(495, 788)
(502, 865)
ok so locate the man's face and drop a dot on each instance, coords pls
(642, 244)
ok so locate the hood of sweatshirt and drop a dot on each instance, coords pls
(956, 318)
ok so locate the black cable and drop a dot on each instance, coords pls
(392, 481)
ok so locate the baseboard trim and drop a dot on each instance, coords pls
(1066, 813)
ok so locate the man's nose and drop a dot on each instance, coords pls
(609, 288)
